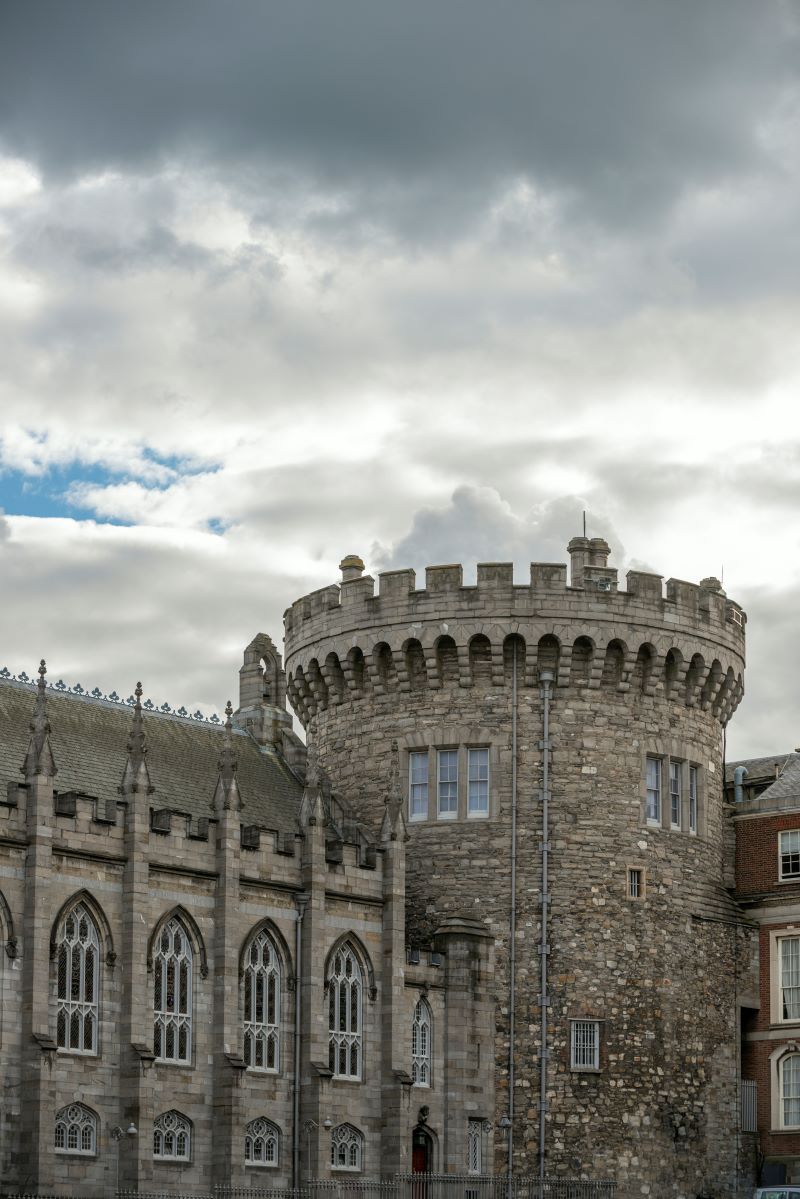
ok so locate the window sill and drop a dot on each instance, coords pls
(417, 818)
(447, 816)
(585, 1070)
(477, 815)
(260, 1165)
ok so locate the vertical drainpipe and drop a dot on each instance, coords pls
(302, 904)
(546, 679)
(512, 968)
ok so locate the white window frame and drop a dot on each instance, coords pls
(172, 1015)
(348, 1143)
(168, 1129)
(791, 875)
(75, 1121)
(447, 787)
(262, 1144)
(584, 1045)
(261, 987)
(694, 777)
(675, 793)
(475, 1130)
(345, 1014)
(789, 1092)
(78, 982)
(418, 786)
(422, 1044)
(788, 947)
(478, 782)
(653, 793)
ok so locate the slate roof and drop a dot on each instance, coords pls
(759, 768)
(786, 786)
(89, 739)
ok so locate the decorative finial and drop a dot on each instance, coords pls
(226, 795)
(136, 774)
(39, 758)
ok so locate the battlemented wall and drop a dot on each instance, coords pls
(638, 673)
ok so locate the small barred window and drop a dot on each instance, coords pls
(77, 982)
(421, 1045)
(172, 1138)
(584, 1045)
(172, 998)
(261, 1143)
(262, 1005)
(76, 1131)
(347, 1148)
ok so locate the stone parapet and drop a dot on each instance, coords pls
(686, 642)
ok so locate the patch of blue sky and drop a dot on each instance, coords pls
(57, 491)
(48, 494)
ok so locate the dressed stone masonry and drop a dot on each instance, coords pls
(174, 900)
(636, 961)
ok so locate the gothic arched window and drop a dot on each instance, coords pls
(347, 1148)
(172, 1138)
(345, 990)
(172, 994)
(261, 1143)
(76, 1130)
(262, 1005)
(77, 981)
(421, 1045)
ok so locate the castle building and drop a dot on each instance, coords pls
(484, 919)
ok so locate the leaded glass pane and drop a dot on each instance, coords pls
(172, 973)
(262, 987)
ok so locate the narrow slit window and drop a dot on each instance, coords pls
(653, 806)
(675, 774)
(692, 799)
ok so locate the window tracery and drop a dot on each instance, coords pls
(77, 982)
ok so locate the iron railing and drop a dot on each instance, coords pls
(401, 1186)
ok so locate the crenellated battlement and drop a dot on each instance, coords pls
(347, 639)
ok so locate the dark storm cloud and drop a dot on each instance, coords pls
(623, 99)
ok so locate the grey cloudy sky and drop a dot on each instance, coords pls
(422, 281)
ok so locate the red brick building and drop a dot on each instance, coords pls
(765, 793)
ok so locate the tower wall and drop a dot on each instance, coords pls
(637, 674)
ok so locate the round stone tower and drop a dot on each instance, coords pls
(560, 749)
